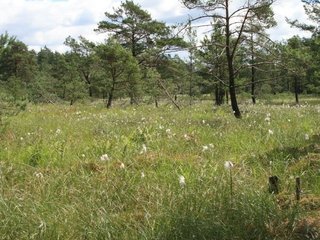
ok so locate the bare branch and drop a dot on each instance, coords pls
(240, 33)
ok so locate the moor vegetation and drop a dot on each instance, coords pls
(127, 140)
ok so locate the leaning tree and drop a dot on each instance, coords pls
(236, 17)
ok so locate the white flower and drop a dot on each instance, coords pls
(58, 131)
(268, 118)
(205, 148)
(122, 166)
(21, 138)
(306, 137)
(187, 137)
(38, 175)
(182, 181)
(140, 130)
(228, 165)
(211, 145)
(270, 132)
(144, 149)
(169, 133)
(104, 157)
(142, 175)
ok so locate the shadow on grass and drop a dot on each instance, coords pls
(251, 217)
(289, 155)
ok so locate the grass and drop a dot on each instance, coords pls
(53, 184)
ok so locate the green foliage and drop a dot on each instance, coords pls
(75, 90)
(9, 106)
(151, 84)
(297, 59)
(121, 69)
(17, 61)
(212, 65)
(176, 72)
(133, 27)
(85, 59)
(42, 89)
(136, 30)
(16, 88)
(241, 60)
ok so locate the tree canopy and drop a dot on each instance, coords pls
(138, 59)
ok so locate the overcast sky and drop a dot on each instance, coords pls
(48, 22)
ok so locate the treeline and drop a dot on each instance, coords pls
(138, 61)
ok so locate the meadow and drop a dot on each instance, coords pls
(140, 172)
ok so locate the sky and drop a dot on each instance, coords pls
(40, 23)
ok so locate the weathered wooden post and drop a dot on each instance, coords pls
(274, 185)
(298, 188)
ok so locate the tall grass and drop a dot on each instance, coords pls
(53, 184)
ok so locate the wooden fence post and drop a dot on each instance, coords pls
(274, 185)
(298, 188)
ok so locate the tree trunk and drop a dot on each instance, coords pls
(233, 98)
(253, 85)
(132, 101)
(191, 78)
(296, 89)
(230, 58)
(253, 72)
(90, 91)
(110, 97)
(232, 88)
(64, 92)
(87, 78)
(216, 94)
(227, 96)
(219, 94)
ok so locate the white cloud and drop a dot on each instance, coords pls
(45, 22)
(164, 9)
(292, 9)
(49, 22)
